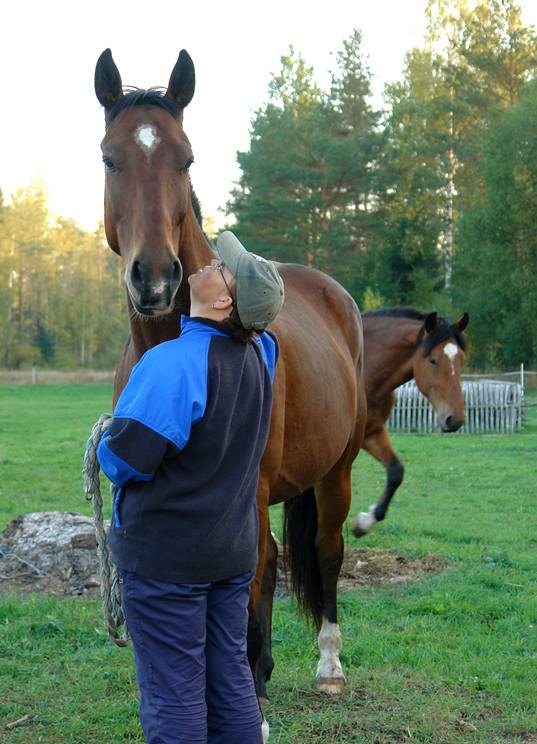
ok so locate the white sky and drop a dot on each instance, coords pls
(52, 123)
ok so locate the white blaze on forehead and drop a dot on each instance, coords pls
(451, 350)
(146, 136)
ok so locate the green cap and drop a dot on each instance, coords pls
(259, 287)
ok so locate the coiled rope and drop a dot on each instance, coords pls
(110, 589)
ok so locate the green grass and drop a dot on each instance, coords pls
(451, 658)
(43, 434)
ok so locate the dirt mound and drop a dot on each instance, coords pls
(49, 552)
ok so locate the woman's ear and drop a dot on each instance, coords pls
(223, 303)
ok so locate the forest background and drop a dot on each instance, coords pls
(430, 201)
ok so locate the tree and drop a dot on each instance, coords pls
(305, 185)
(274, 203)
(474, 64)
(485, 56)
(355, 149)
(25, 248)
(61, 289)
(403, 263)
(496, 272)
(45, 342)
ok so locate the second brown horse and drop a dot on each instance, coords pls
(402, 344)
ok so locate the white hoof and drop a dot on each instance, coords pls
(364, 522)
(334, 686)
(265, 730)
(330, 677)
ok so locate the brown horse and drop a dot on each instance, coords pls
(318, 416)
(400, 344)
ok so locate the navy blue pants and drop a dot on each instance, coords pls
(189, 643)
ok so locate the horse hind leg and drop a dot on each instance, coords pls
(313, 539)
(333, 498)
(380, 447)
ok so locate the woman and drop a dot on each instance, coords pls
(184, 450)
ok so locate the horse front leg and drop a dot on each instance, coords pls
(380, 447)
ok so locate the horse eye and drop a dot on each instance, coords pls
(433, 361)
(108, 163)
(187, 165)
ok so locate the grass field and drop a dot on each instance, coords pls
(451, 658)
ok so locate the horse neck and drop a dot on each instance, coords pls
(389, 349)
(194, 252)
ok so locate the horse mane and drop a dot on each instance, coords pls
(399, 311)
(196, 206)
(443, 331)
(155, 96)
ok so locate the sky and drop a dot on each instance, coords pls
(52, 123)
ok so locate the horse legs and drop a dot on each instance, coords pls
(332, 498)
(380, 447)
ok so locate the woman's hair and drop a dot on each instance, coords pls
(233, 325)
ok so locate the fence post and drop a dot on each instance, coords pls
(522, 376)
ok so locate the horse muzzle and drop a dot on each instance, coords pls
(153, 297)
(450, 423)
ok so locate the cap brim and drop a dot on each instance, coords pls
(230, 250)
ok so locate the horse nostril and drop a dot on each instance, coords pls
(136, 274)
(176, 271)
(452, 423)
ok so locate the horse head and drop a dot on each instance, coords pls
(437, 365)
(148, 211)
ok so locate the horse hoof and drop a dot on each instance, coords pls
(356, 529)
(364, 522)
(263, 702)
(331, 685)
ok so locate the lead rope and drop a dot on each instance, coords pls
(110, 589)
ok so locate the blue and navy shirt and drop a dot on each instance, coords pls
(184, 448)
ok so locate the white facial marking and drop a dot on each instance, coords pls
(146, 136)
(329, 641)
(451, 350)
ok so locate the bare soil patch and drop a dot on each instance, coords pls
(366, 567)
(56, 553)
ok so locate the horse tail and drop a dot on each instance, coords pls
(300, 555)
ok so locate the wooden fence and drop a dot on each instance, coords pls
(54, 377)
(491, 407)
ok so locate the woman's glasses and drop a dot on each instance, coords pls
(220, 267)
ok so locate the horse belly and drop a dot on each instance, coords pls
(320, 421)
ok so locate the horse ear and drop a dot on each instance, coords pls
(462, 322)
(108, 87)
(182, 80)
(430, 322)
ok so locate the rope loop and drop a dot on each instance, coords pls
(110, 588)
